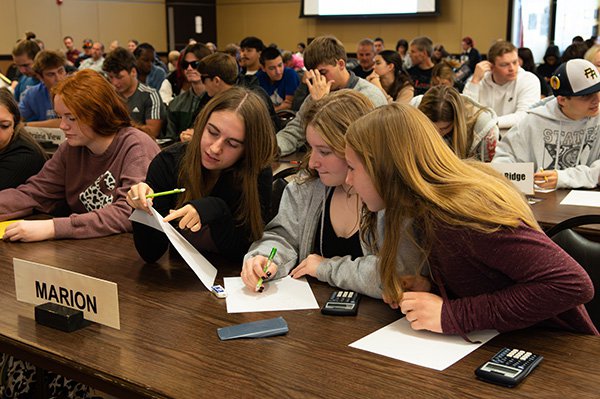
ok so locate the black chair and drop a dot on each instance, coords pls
(285, 116)
(279, 183)
(584, 251)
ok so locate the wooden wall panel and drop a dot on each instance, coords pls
(277, 21)
(103, 20)
(143, 21)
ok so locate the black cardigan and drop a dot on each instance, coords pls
(216, 210)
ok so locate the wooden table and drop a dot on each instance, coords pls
(168, 346)
(550, 212)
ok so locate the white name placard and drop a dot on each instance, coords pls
(520, 174)
(54, 135)
(37, 283)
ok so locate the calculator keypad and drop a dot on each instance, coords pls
(515, 358)
(343, 296)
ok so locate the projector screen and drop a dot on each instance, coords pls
(368, 8)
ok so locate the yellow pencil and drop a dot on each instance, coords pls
(545, 177)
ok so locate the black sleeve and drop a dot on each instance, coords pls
(18, 165)
(265, 193)
(150, 243)
(216, 212)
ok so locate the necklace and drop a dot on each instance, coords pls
(348, 191)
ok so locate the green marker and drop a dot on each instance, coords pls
(269, 260)
(176, 191)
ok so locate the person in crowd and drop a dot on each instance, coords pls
(278, 81)
(379, 45)
(145, 105)
(325, 59)
(443, 74)
(391, 78)
(86, 51)
(85, 182)
(226, 172)
(175, 82)
(593, 55)
(250, 49)
(184, 108)
(96, 60)
(365, 52)
(316, 231)
(469, 57)
(20, 155)
(527, 62)
(439, 53)
(148, 73)
(402, 50)
(23, 55)
(499, 83)
(36, 104)
(573, 51)
(72, 53)
(560, 135)
(420, 52)
(132, 45)
(551, 62)
(507, 275)
(468, 128)
(173, 59)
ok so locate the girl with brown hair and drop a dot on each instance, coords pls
(226, 172)
(20, 155)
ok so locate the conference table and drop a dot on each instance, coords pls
(549, 212)
(168, 347)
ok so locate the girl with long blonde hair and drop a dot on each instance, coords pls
(470, 129)
(493, 266)
(226, 172)
(316, 231)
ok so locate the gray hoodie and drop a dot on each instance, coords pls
(292, 136)
(551, 140)
(293, 231)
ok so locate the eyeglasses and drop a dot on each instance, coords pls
(204, 77)
(185, 64)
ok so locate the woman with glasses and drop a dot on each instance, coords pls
(184, 108)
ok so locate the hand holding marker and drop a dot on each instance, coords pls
(259, 284)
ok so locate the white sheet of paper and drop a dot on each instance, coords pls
(283, 294)
(582, 198)
(205, 271)
(143, 218)
(424, 348)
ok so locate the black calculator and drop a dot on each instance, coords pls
(342, 303)
(508, 367)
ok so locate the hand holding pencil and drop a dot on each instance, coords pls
(546, 179)
(140, 196)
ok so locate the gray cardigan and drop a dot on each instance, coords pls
(293, 231)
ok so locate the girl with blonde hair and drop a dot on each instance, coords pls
(470, 129)
(226, 172)
(316, 231)
(492, 264)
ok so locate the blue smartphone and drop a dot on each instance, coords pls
(255, 329)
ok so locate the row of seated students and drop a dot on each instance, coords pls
(498, 84)
(379, 207)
